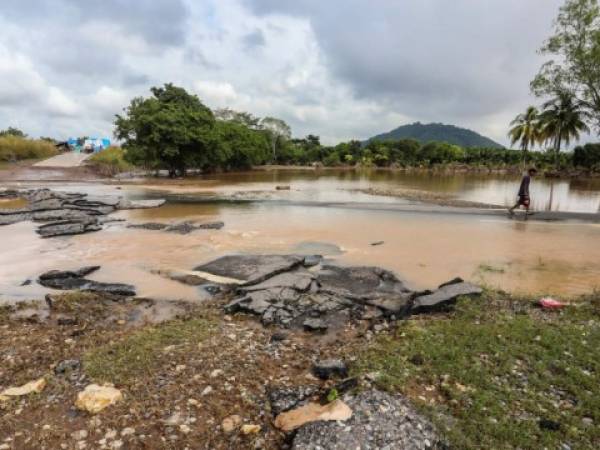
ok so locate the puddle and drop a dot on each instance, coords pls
(425, 250)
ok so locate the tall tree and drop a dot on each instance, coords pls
(526, 130)
(171, 130)
(575, 47)
(562, 119)
(11, 131)
(278, 130)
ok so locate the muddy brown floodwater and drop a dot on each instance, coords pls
(559, 258)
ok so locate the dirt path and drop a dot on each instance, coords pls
(69, 159)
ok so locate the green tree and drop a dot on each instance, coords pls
(526, 130)
(241, 146)
(241, 117)
(279, 131)
(11, 131)
(171, 130)
(561, 120)
(575, 47)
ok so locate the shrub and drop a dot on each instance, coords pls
(13, 148)
(110, 161)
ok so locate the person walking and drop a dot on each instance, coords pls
(523, 196)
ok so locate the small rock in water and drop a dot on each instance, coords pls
(330, 368)
(285, 187)
(377, 243)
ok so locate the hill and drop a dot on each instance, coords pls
(438, 132)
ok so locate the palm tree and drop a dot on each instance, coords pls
(562, 119)
(526, 130)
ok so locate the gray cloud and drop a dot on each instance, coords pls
(340, 69)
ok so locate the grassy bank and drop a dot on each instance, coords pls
(110, 161)
(13, 149)
(499, 373)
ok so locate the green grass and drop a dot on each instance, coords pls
(491, 370)
(142, 352)
(110, 161)
(17, 149)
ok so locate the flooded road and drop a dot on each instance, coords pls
(424, 249)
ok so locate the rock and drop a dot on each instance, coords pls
(127, 431)
(33, 387)
(140, 204)
(66, 366)
(285, 187)
(250, 269)
(149, 226)
(216, 373)
(330, 368)
(444, 296)
(379, 421)
(188, 227)
(68, 227)
(73, 280)
(207, 390)
(61, 274)
(79, 435)
(312, 260)
(376, 243)
(250, 429)
(359, 282)
(551, 425)
(95, 398)
(399, 306)
(315, 325)
(298, 280)
(279, 336)
(231, 423)
(285, 398)
(313, 412)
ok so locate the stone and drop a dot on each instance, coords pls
(444, 296)
(359, 282)
(66, 366)
(207, 390)
(250, 269)
(231, 423)
(60, 274)
(312, 260)
(139, 204)
(379, 421)
(299, 280)
(315, 324)
(283, 187)
(399, 305)
(216, 373)
(127, 431)
(330, 368)
(283, 398)
(68, 227)
(95, 398)
(313, 412)
(149, 226)
(73, 280)
(251, 429)
(33, 387)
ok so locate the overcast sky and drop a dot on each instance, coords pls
(338, 68)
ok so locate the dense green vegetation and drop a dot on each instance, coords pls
(437, 132)
(14, 147)
(492, 372)
(110, 161)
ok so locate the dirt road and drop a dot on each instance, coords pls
(69, 159)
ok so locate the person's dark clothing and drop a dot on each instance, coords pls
(524, 189)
